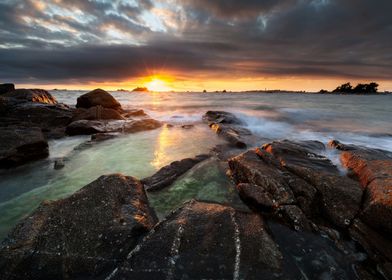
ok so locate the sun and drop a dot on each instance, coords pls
(157, 84)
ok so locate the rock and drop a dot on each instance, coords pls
(378, 247)
(134, 113)
(59, 164)
(236, 136)
(221, 117)
(373, 168)
(263, 186)
(96, 113)
(51, 118)
(20, 145)
(86, 127)
(205, 241)
(4, 88)
(168, 174)
(293, 216)
(340, 196)
(98, 97)
(187, 126)
(99, 137)
(80, 237)
(32, 95)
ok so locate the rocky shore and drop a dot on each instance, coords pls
(306, 219)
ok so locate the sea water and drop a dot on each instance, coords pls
(357, 119)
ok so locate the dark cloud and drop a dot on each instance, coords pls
(325, 38)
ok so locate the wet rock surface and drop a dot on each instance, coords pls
(230, 128)
(373, 168)
(205, 241)
(31, 95)
(168, 174)
(87, 127)
(82, 236)
(20, 145)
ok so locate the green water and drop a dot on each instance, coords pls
(139, 155)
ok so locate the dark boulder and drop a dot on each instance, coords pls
(80, 237)
(168, 174)
(20, 145)
(96, 113)
(87, 127)
(98, 97)
(4, 88)
(51, 118)
(373, 168)
(205, 241)
(236, 136)
(221, 117)
(31, 95)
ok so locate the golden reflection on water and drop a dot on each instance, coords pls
(166, 140)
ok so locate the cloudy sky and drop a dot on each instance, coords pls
(196, 44)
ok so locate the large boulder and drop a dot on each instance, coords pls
(51, 118)
(168, 174)
(221, 117)
(86, 127)
(83, 236)
(98, 97)
(96, 113)
(20, 145)
(31, 95)
(205, 241)
(373, 168)
(4, 88)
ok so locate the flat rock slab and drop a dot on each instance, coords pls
(373, 168)
(20, 145)
(168, 174)
(82, 236)
(87, 127)
(204, 241)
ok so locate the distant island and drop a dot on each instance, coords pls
(370, 88)
(141, 89)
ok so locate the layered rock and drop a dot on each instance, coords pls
(373, 168)
(83, 236)
(20, 145)
(286, 173)
(205, 241)
(87, 127)
(228, 126)
(168, 174)
(98, 97)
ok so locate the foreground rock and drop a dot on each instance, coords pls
(373, 168)
(83, 236)
(4, 88)
(288, 173)
(20, 145)
(98, 97)
(96, 113)
(204, 241)
(229, 127)
(35, 108)
(86, 127)
(168, 174)
(31, 95)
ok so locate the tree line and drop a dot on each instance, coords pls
(360, 88)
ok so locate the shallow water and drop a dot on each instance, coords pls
(365, 120)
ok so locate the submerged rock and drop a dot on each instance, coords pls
(4, 88)
(373, 168)
(83, 236)
(98, 97)
(205, 241)
(20, 145)
(86, 127)
(168, 174)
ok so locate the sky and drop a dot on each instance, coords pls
(196, 44)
